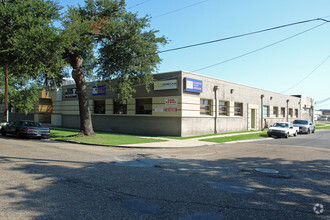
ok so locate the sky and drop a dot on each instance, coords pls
(293, 60)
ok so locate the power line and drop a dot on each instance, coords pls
(319, 106)
(176, 10)
(138, 4)
(308, 74)
(243, 35)
(254, 51)
(324, 100)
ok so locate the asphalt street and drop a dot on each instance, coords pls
(320, 139)
(43, 179)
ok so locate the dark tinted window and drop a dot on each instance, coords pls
(143, 106)
(119, 108)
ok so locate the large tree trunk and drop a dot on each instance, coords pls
(86, 127)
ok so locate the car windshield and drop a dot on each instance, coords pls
(300, 122)
(32, 124)
(282, 125)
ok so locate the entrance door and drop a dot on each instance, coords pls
(253, 119)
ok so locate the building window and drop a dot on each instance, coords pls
(291, 112)
(275, 111)
(205, 107)
(238, 109)
(99, 106)
(266, 111)
(223, 108)
(296, 113)
(283, 112)
(143, 106)
(119, 108)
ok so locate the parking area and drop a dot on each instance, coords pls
(44, 179)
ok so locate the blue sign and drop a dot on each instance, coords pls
(194, 85)
(99, 90)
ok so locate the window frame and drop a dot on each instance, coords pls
(275, 111)
(225, 106)
(140, 111)
(266, 114)
(102, 111)
(240, 107)
(203, 110)
(117, 106)
(291, 112)
(283, 112)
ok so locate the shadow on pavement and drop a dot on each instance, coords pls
(149, 187)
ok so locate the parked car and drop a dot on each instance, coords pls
(3, 123)
(26, 129)
(305, 126)
(282, 129)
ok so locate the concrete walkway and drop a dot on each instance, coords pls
(192, 142)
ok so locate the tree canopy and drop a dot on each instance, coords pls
(29, 44)
(104, 38)
(101, 38)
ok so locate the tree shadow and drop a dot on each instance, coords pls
(150, 187)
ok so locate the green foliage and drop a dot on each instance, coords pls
(25, 99)
(126, 46)
(23, 96)
(31, 48)
(30, 44)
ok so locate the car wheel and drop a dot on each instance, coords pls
(18, 134)
(309, 131)
(314, 131)
(269, 135)
(286, 135)
(295, 134)
(3, 133)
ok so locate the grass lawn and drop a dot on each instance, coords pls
(322, 127)
(100, 138)
(239, 137)
(205, 135)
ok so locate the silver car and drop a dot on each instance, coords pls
(3, 123)
(305, 126)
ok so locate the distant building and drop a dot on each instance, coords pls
(325, 114)
(179, 104)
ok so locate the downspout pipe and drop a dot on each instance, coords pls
(262, 112)
(287, 110)
(216, 112)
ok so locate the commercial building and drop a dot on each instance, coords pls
(178, 104)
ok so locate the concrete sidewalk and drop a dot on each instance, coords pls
(192, 142)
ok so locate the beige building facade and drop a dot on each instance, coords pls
(178, 104)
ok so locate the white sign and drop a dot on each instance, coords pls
(171, 103)
(159, 108)
(166, 84)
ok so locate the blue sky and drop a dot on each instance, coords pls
(277, 68)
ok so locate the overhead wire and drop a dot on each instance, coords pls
(176, 10)
(256, 50)
(138, 4)
(324, 100)
(243, 35)
(308, 75)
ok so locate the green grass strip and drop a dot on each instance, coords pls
(239, 137)
(99, 138)
(324, 127)
(205, 135)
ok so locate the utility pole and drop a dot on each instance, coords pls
(6, 94)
